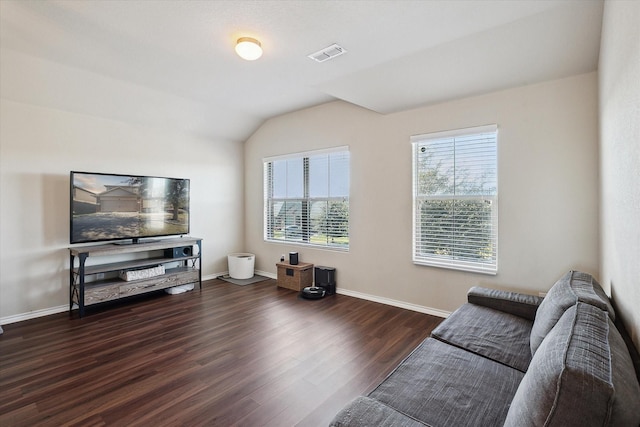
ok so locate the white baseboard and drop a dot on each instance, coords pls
(368, 297)
(395, 303)
(267, 274)
(33, 314)
(347, 292)
(213, 276)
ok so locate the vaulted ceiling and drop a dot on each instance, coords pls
(400, 55)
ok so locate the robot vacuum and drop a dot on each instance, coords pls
(313, 292)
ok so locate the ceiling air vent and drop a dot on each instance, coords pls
(327, 53)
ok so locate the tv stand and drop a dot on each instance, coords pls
(100, 281)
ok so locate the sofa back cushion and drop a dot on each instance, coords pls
(494, 334)
(581, 375)
(567, 291)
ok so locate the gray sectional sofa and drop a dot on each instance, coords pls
(508, 359)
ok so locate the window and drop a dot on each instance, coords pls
(306, 198)
(455, 199)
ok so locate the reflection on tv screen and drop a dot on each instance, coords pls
(117, 207)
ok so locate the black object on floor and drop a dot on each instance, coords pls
(313, 292)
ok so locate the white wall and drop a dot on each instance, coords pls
(548, 190)
(619, 75)
(41, 140)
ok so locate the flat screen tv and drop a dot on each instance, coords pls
(127, 207)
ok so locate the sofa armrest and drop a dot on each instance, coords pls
(521, 305)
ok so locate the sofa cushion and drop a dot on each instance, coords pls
(567, 291)
(522, 305)
(571, 379)
(364, 411)
(500, 336)
(442, 385)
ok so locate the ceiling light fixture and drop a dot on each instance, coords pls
(248, 48)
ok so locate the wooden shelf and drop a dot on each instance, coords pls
(108, 290)
(83, 292)
(129, 265)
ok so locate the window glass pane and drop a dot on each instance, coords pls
(436, 227)
(475, 165)
(435, 168)
(330, 223)
(275, 220)
(461, 229)
(455, 199)
(307, 199)
(293, 220)
(295, 178)
(339, 174)
(279, 171)
(319, 176)
(287, 221)
(288, 178)
(473, 237)
(318, 216)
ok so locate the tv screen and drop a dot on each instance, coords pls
(119, 207)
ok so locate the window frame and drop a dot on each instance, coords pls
(305, 200)
(453, 261)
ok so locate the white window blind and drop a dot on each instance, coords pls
(455, 199)
(306, 198)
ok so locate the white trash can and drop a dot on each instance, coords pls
(241, 265)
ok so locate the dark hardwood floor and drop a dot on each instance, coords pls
(228, 355)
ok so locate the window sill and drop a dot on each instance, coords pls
(457, 265)
(308, 245)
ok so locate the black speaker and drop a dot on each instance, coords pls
(293, 258)
(325, 277)
(179, 252)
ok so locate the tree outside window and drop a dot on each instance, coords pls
(455, 199)
(307, 198)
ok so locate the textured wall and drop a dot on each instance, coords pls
(41, 140)
(619, 75)
(548, 196)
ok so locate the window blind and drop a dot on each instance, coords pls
(455, 197)
(307, 198)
